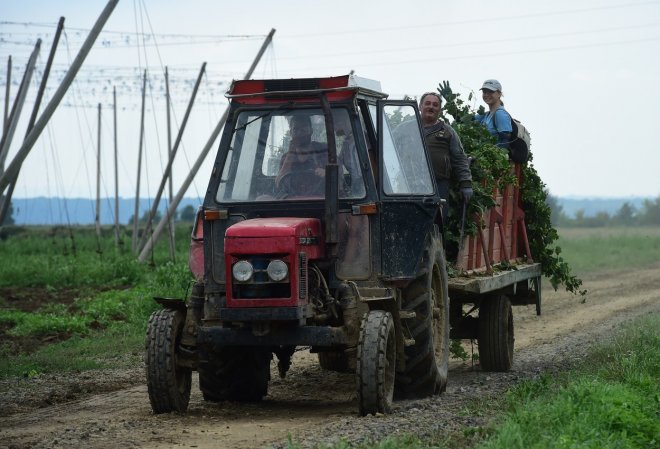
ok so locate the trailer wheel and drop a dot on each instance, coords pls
(235, 374)
(168, 383)
(427, 360)
(496, 333)
(376, 360)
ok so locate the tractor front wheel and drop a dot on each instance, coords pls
(376, 360)
(167, 382)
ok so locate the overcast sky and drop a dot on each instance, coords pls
(578, 74)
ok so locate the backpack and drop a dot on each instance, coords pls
(520, 142)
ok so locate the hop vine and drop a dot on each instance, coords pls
(491, 170)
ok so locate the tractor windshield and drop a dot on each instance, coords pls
(282, 156)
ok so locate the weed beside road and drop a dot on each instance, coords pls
(610, 401)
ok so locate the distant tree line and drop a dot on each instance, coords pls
(627, 215)
(187, 214)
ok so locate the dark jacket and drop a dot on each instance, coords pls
(447, 154)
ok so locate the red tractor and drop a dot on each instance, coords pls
(322, 228)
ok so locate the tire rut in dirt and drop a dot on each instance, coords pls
(496, 334)
(167, 383)
(236, 374)
(376, 360)
(427, 359)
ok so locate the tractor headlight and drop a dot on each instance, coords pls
(242, 271)
(277, 270)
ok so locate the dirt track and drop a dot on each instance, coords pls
(310, 404)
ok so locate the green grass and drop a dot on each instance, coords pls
(43, 257)
(590, 250)
(120, 347)
(108, 318)
(612, 401)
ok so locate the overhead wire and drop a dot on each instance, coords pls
(445, 45)
(488, 19)
(443, 57)
(434, 24)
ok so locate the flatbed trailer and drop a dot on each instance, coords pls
(495, 270)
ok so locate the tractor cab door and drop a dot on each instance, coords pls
(409, 199)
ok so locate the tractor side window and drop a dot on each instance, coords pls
(240, 159)
(351, 181)
(406, 169)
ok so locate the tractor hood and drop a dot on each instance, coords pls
(305, 228)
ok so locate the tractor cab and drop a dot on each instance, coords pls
(332, 149)
(321, 228)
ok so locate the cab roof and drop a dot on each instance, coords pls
(303, 89)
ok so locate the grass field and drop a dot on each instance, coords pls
(55, 287)
(610, 401)
(597, 249)
(96, 304)
(71, 302)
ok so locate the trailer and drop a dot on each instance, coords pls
(495, 272)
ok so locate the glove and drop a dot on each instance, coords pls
(445, 90)
(467, 194)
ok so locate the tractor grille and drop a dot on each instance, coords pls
(302, 276)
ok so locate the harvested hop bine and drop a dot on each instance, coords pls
(491, 172)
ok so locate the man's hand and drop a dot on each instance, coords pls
(467, 194)
(445, 90)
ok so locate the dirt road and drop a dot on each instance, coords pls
(310, 404)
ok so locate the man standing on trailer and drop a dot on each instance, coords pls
(447, 154)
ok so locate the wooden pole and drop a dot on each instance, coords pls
(5, 123)
(114, 110)
(10, 128)
(97, 218)
(57, 97)
(191, 175)
(6, 200)
(168, 168)
(169, 147)
(136, 215)
(17, 108)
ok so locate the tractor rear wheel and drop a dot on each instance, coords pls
(167, 382)
(495, 333)
(376, 360)
(236, 374)
(427, 300)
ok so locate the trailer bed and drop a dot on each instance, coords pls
(485, 283)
